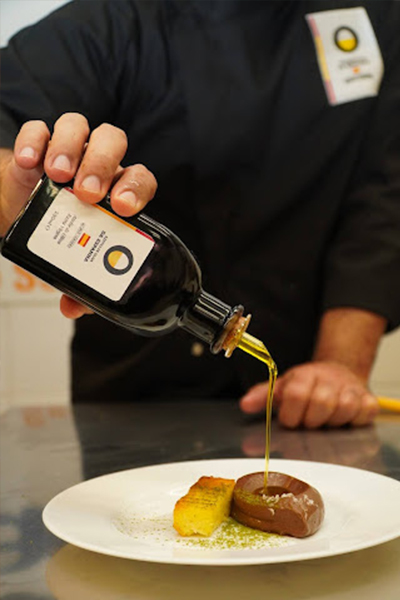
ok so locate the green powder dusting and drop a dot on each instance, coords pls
(231, 535)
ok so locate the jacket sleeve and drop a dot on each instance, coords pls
(72, 60)
(363, 264)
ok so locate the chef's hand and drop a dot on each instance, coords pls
(72, 151)
(316, 394)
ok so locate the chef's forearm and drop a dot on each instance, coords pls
(351, 337)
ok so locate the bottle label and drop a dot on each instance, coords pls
(90, 243)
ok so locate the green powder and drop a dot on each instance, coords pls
(231, 535)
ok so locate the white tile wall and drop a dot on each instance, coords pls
(16, 14)
(34, 341)
(385, 378)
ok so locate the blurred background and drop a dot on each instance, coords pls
(35, 338)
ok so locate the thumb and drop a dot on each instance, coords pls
(17, 185)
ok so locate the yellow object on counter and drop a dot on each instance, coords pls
(392, 404)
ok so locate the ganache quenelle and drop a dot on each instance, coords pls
(290, 507)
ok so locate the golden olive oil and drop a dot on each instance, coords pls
(256, 348)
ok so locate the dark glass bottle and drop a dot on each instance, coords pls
(134, 271)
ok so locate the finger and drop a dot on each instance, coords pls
(105, 150)
(66, 148)
(322, 404)
(279, 385)
(347, 408)
(254, 400)
(294, 395)
(369, 408)
(135, 187)
(31, 145)
(72, 309)
(21, 169)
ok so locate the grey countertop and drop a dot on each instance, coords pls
(45, 450)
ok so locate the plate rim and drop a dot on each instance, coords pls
(217, 561)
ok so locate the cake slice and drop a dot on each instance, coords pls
(204, 507)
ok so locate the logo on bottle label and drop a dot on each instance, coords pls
(91, 244)
(118, 260)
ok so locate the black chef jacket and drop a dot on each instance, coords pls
(291, 205)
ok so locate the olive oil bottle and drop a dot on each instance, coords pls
(134, 271)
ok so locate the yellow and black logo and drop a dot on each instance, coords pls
(346, 39)
(118, 260)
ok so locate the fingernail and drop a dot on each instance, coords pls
(129, 197)
(91, 184)
(62, 163)
(28, 152)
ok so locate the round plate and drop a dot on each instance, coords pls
(129, 514)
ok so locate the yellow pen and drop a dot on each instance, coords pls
(392, 404)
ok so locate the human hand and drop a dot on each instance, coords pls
(316, 394)
(92, 158)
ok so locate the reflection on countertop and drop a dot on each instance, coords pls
(75, 574)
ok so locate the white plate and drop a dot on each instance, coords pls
(129, 514)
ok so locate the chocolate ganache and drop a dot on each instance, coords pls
(290, 507)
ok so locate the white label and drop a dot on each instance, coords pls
(348, 54)
(91, 244)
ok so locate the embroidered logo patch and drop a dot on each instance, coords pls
(348, 54)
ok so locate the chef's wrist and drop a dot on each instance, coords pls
(350, 337)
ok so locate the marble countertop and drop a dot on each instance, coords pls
(45, 450)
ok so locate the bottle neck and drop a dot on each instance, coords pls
(213, 322)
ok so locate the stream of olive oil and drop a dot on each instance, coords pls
(256, 348)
